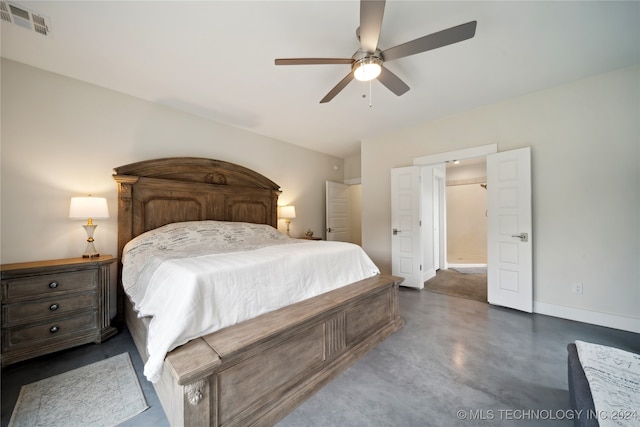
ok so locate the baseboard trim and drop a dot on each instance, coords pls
(587, 316)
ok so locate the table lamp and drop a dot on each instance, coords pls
(89, 208)
(287, 213)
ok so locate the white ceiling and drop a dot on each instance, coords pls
(215, 59)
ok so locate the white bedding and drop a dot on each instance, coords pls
(195, 278)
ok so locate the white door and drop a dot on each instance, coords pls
(509, 250)
(406, 236)
(337, 220)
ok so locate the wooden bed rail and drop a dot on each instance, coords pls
(256, 372)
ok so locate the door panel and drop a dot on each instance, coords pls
(337, 210)
(406, 237)
(509, 251)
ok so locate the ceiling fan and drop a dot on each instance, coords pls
(367, 62)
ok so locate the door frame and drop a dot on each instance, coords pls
(449, 156)
(440, 181)
(467, 153)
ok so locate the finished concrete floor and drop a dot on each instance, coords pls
(454, 359)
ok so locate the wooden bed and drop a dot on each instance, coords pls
(255, 372)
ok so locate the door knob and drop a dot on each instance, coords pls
(524, 237)
(395, 231)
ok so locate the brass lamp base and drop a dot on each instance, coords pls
(85, 255)
(90, 251)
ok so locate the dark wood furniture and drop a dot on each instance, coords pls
(52, 305)
(255, 372)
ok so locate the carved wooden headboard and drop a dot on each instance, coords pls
(153, 193)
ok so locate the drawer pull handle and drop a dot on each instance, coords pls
(53, 307)
(53, 285)
(54, 329)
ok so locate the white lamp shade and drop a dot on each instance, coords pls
(287, 212)
(88, 207)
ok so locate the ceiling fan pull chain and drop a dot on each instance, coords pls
(370, 95)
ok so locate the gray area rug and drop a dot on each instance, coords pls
(470, 270)
(464, 285)
(105, 393)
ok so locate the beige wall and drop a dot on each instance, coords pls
(466, 204)
(466, 224)
(352, 176)
(354, 195)
(584, 139)
(62, 137)
(352, 168)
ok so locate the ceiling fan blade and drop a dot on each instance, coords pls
(392, 82)
(337, 88)
(371, 13)
(432, 41)
(313, 61)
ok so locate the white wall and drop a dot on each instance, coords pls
(585, 142)
(62, 138)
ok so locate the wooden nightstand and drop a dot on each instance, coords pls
(52, 305)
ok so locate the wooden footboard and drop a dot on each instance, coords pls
(258, 371)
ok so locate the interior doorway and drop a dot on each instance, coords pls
(466, 211)
(451, 264)
(452, 282)
(509, 217)
(343, 212)
(460, 229)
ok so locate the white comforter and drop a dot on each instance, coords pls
(198, 277)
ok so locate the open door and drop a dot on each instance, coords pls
(509, 231)
(406, 238)
(337, 211)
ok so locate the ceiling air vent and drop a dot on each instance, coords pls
(4, 12)
(24, 18)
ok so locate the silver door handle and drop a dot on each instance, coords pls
(524, 237)
(395, 231)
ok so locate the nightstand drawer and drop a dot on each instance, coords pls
(53, 305)
(23, 288)
(49, 308)
(48, 331)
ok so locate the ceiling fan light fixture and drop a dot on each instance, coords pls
(367, 69)
(366, 62)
